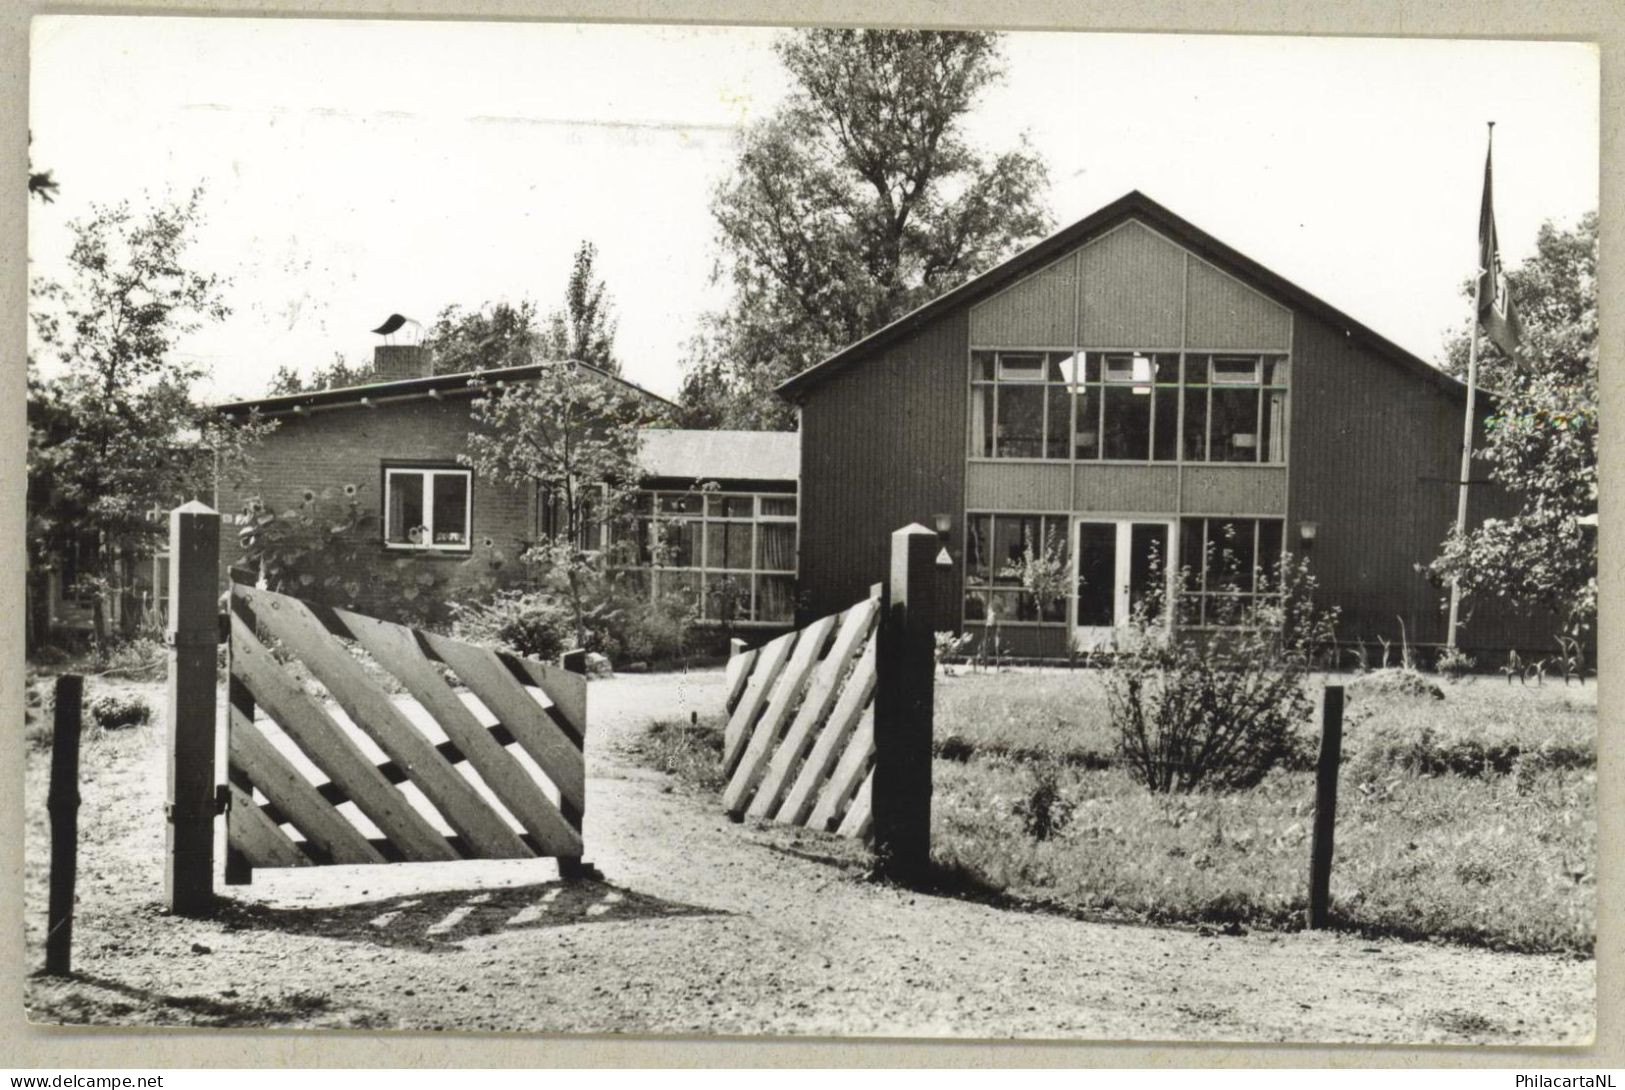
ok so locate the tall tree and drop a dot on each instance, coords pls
(572, 437)
(1541, 441)
(584, 328)
(495, 335)
(115, 434)
(855, 202)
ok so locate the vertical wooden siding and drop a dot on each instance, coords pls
(883, 445)
(1133, 289)
(1375, 457)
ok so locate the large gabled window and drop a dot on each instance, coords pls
(428, 507)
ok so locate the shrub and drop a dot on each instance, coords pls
(692, 752)
(1222, 707)
(650, 631)
(1395, 681)
(531, 623)
(115, 712)
(1045, 811)
(140, 658)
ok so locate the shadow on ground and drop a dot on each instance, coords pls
(441, 920)
(87, 999)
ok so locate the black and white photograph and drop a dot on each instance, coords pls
(798, 531)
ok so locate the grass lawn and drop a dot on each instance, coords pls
(1470, 818)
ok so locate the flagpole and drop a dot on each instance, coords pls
(1467, 434)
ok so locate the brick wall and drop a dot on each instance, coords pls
(349, 446)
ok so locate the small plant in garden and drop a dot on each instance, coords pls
(948, 645)
(1362, 658)
(1513, 667)
(1571, 659)
(1045, 811)
(1044, 571)
(115, 712)
(1219, 708)
(1453, 663)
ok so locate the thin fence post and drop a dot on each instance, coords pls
(194, 638)
(575, 866)
(62, 803)
(1320, 850)
(905, 674)
(238, 870)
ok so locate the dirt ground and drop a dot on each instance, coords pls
(705, 927)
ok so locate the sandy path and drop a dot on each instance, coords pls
(707, 927)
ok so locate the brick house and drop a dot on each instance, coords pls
(391, 448)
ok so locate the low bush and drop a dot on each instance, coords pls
(140, 658)
(1395, 681)
(689, 751)
(531, 623)
(1220, 708)
(655, 631)
(116, 711)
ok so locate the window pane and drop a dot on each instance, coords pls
(1166, 436)
(1128, 422)
(1231, 556)
(450, 508)
(1097, 574)
(728, 545)
(680, 540)
(730, 506)
(1020, 367)
(1272, 441)
(1013, 605)
(1168, 368)
(1060, 422)
(775, 598)
(1063, 367)
(1195, 430)
(678, 584)
(406, 515)
(1196, 367)
(1235, 425)
(1190, 557)
(1011, 535)
(1056, 536)
(777, 543)
(975, 605)
(1233, 369)
(982, 366)
(778, 506)
(1269, 554)
(981, 421)
(978, 548)
(1021, 422)
(727, 598)
(679, 503)
(1086, 430)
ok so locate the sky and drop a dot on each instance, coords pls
(358, 169)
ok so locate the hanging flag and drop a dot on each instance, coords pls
(1495, 307)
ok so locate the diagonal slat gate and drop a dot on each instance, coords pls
(303, 790)
(799, 745)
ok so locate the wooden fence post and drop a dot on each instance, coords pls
(194, 639)
(574, 867)
(1320, 850)
(905, 673)
(62, 803)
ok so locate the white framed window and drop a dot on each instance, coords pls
(428, 508)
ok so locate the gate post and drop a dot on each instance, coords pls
(900, 801)
(193, 638)
(1320, 847)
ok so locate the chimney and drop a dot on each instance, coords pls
(393, 362)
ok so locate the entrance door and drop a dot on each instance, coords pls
(1118, 561)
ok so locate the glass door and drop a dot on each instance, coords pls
(1118, 562)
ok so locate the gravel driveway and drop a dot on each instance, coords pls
(705, 927)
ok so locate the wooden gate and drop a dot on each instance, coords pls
(363, 775)
(799, 746)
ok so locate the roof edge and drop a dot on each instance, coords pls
(413, 387)
(1181, 231)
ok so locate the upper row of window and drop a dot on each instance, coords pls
(1129, 406)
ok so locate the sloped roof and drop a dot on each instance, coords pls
(712, 455)
(1132, 205)
(408, 388)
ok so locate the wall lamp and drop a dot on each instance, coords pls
(1307, 532)
(944, 525)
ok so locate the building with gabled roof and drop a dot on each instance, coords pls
(1138, 392)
